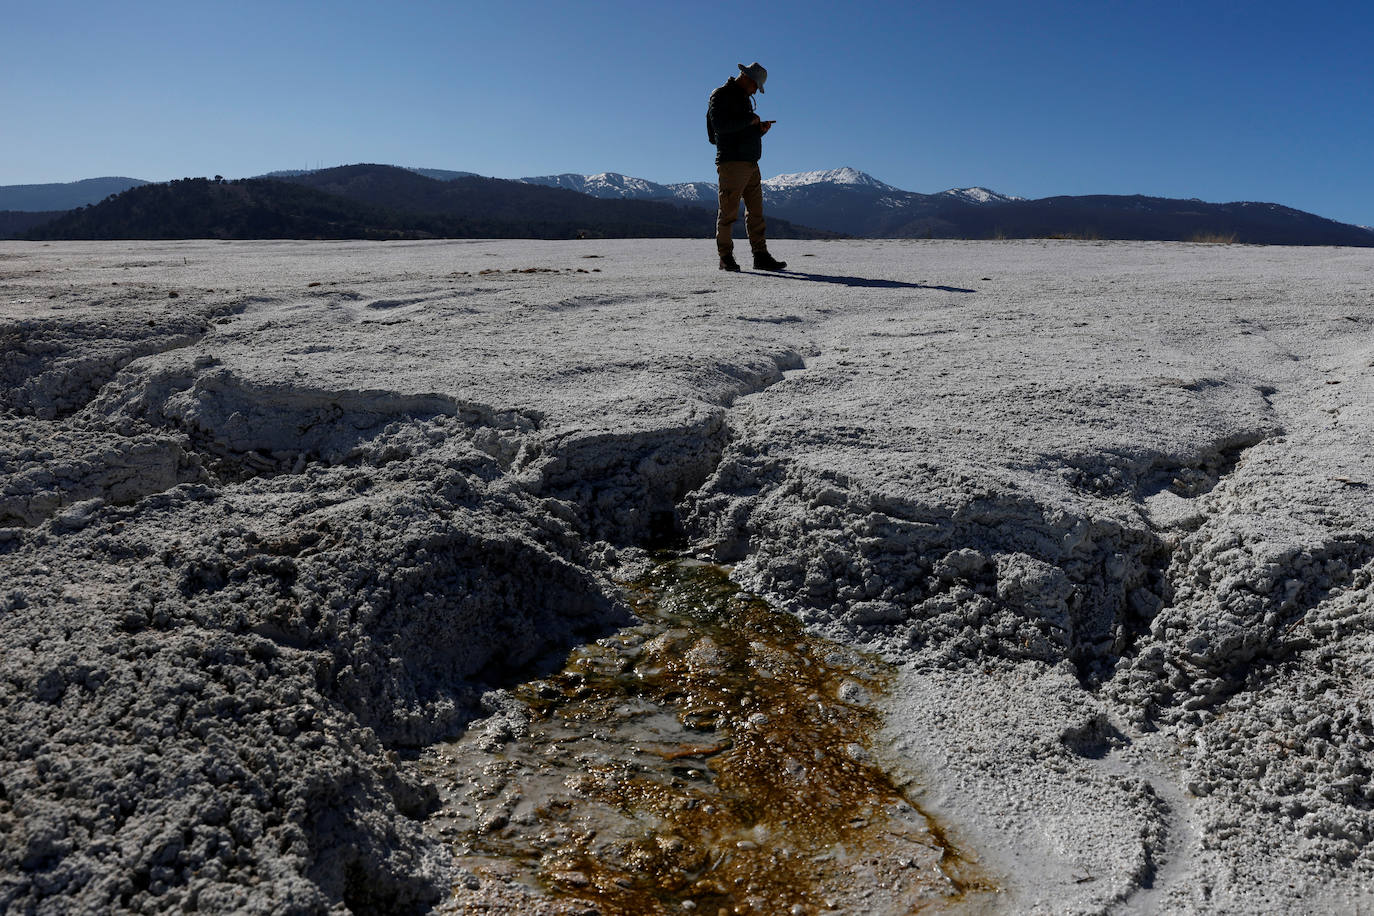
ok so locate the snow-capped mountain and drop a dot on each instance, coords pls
(843, 177)
(979, 196)
(606, 184)
(854, 202)
(842, 200)
(615, 185)
(776, 189)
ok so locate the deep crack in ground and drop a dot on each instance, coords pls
(713, 756)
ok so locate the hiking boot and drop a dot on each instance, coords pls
(728, 262)
(765, 261)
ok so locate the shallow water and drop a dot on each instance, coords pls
(713, 757)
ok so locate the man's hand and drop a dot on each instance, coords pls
(766, 126)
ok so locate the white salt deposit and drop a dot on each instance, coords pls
(1108, 505)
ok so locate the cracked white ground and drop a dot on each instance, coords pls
(273, 511)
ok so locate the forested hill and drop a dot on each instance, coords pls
(201, 208)
(14, 223)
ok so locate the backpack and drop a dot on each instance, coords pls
(710, 127)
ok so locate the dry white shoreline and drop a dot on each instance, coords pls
(1109, 504)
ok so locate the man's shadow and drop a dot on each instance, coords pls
(865, 282)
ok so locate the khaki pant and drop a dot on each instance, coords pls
(740, 180)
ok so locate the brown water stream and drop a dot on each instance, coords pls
(713, 758)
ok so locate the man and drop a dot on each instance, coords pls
(738, 135)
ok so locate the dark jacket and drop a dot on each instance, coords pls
(729, 125)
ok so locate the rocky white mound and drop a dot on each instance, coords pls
(271, 513)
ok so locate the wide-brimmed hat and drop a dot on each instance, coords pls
(755, 72)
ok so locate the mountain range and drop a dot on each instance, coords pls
(67, 196)
(388, 201)
(852, 202)
(376, 202)
(776, 190)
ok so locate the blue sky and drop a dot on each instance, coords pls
(1218, 100)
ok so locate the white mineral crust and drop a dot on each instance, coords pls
(1108, 506)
